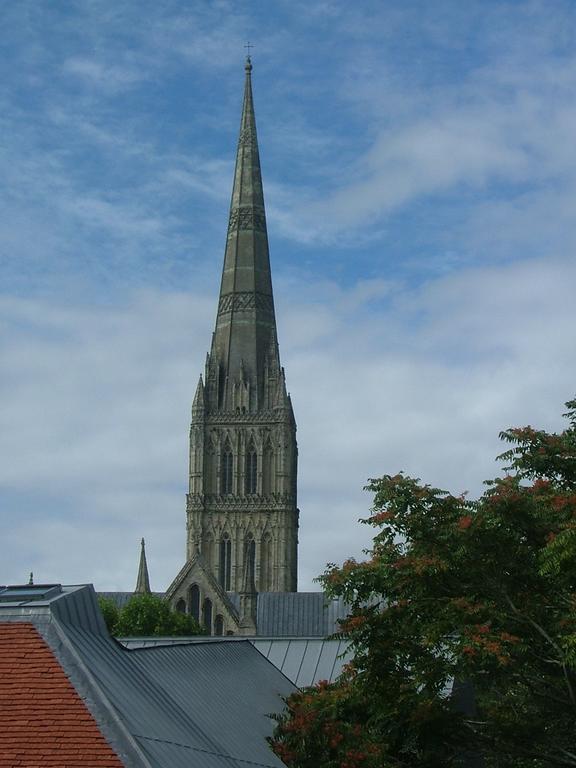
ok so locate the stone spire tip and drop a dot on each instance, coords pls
(143, 580)
(248, 62)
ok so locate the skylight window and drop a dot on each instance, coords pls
(23, 594)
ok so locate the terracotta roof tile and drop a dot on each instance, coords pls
(44, 721)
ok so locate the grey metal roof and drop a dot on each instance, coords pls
(304, 661)
(201, 699)
(281, 614)
(74, 604)
(201, 705)
(298, 614)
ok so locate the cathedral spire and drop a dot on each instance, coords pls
(245, 324)
(243, 452)
(143, 581)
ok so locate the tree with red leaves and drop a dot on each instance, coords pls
(478, 592)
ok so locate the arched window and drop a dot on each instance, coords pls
(219, 626)
(210, 469)
(226, 473)
(251, 550)
(181, 605)
(195, 602)
(251, 469)
(266, 563)
(267, 470)
(250, 553)
(207, 615)
(225, 564)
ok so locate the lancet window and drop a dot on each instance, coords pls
(251, 469)
(267, 470)
(211, 464)
(226, 471)
(195, 602)
(225, 565)
(181, 605)
(250, 552)
(207, 615)
(266, 563)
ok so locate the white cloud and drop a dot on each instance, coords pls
(495, 129)
(109, 77)
(96, 408)
(114, 168)
(477, 145)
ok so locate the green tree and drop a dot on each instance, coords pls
(110, 613)
(147, 615)
(481, 592)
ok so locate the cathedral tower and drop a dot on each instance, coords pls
(241, 504)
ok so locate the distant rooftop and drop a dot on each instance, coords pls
(281, 614)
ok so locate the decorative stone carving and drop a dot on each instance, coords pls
(245, 300)
(246, 218)
(240, 503)
(247, 138)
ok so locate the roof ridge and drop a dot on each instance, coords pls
(95, 689)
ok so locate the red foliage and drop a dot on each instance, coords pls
(381, 517)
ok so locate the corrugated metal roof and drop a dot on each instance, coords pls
(298, 614)
(74, 604)
(304, 661)
(78, 607)
(201, 699)
(200, 705)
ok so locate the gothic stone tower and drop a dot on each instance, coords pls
(241, 505)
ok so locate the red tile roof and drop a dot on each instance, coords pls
(43, 721)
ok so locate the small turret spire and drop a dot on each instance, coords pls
(143, 581)
(198, 402)
(248, 595)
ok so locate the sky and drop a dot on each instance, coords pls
(419, 170)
